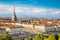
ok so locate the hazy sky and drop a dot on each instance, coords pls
(30, 8)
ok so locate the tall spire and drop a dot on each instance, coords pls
(15, 14)
(14, 18)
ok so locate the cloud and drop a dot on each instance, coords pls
(28, 10)
(6, 9)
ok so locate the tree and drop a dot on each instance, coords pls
(58, 36)
(1, 38)
(45, 38)
(21, 38)
(52, 37)
(7, 37)
(37, 37)
(30, 38)
(41, 36)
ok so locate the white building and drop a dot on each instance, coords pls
(45, 28)
(40, 27)
(14, 30)
(2, 31)
(50, 28)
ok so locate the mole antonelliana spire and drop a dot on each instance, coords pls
(14, 18)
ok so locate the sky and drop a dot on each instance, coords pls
(30, 8)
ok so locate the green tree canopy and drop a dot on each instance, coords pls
(37, 37)
(52, 37)
(30, 38)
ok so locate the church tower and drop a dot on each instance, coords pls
(14, 18)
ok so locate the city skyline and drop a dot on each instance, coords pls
(30, 8)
